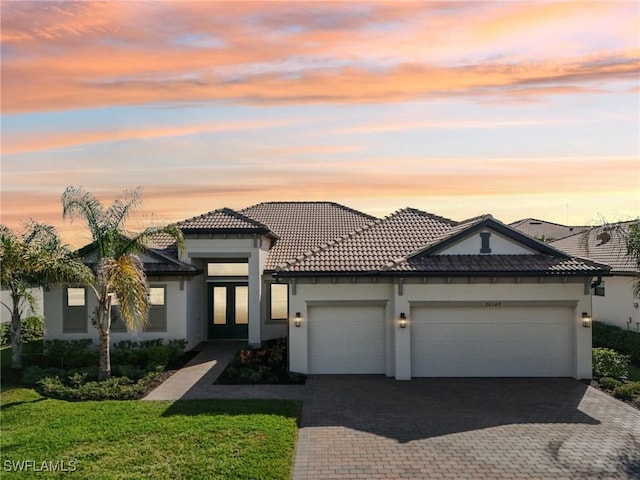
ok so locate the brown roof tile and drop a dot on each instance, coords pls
(302, 226)
(543, 230)
(224, 219)
(539, 264)
(372, 247)
(609, 249)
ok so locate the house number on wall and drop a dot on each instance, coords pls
(493, 304)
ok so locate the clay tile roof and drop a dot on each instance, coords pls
(303, 226)
(603, 246)
(543, 230)
(539, 264)
(224, 219)
(374, 246)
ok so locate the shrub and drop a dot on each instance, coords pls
(628, 391)
(71, 353)
(609, 383)
(264, 365)
(623, 341)
(609, 363)
(32, 375)
(77, 388)
(131, 371)
(153, 355)
(32, 328)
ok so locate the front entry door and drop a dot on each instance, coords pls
(228, 311)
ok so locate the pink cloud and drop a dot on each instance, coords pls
(83, 55)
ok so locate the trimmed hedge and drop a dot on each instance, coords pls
(69, 369)
(623, 341)
(76, 387)
(608, 383)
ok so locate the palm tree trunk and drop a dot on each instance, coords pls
(16, 333)
(103, 322)
(104, 372)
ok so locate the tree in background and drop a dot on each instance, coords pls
(33, 258)
(118, 271)
(625, 234)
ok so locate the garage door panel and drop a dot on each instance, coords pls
(347, 340)
(491, 342)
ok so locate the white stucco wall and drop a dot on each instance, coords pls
(176, 322)
(198, 251)
(499, 246)
(398, 341)
(618, 305)
(305, 293)
(5, 314)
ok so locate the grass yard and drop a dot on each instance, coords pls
(190, 439)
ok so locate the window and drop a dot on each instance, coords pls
(76, 297)
(279, 301)
(157, 309)
(228, 268)
(74, 312)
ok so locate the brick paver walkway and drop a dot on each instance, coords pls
(370, 427)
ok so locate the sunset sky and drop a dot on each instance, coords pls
(527, 109)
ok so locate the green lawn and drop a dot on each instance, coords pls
(189, 439)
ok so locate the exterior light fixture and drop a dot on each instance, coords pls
(403, 320)
(298, 320)
(586, 320)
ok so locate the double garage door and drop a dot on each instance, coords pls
(462, 341)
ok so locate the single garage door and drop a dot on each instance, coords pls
(491, 341)
(346, 339)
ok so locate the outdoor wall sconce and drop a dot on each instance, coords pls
(403, 320)
(298, 320)
(586, 320)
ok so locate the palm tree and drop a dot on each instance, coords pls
(117, 268)
(34, 258)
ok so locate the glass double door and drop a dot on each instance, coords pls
(228, 311)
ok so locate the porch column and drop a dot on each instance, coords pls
(255, 294)
(402, 335)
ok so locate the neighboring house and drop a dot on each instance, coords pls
(545, 231)
(409, 295)
(614, 302)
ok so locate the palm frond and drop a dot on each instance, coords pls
(140, 241)
(77, 203)
(125, 277)
(119, 211)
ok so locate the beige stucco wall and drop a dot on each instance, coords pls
(307, 292)
(398, 341)
(618, 305)
(176, 299)
(198, 251)
(499, 245)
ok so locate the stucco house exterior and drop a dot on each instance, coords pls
(409, 295)
(614, 301)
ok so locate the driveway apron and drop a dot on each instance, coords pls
(371, 427)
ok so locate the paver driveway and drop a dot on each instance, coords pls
(372, 427)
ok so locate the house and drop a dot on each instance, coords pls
(614, 301)
(409, 295)
(545, 231)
